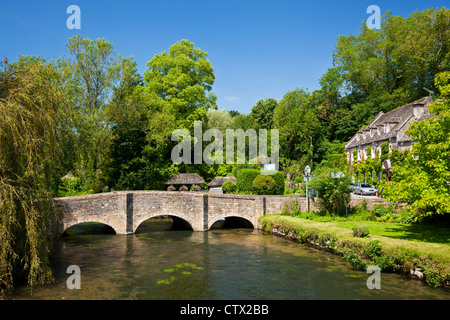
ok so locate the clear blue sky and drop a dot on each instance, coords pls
(259, 49)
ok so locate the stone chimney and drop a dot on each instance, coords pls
(418, 110)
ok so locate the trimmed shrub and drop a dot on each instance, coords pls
(184, 188)
(171, 188)
(360, 231)
(196, 187)
(279, 182)
(264, 184)
(245, 179)
(229, 186)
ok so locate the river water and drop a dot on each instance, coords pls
(238, 264)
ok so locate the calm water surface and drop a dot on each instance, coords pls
(218, 265)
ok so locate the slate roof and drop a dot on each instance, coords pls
(218, 181)
(399, 118)
(185, 178)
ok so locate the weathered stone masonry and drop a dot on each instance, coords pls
(124, 211)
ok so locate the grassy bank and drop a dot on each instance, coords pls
(414, 249)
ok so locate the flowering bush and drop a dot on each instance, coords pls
(184, 188)
(196, 188)
(171, 188)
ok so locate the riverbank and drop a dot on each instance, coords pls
(384, 246)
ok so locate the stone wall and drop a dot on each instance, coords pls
(370, 202)
(104, 207)
(276, 204)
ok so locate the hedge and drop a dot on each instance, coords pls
(245, 178)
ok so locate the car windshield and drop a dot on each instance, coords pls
(365, 185)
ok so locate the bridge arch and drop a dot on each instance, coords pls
(178, 223)
(88, 227)
(231, 222)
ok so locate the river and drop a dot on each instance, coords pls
(239, 264)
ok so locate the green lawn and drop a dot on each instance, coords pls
(412, 232)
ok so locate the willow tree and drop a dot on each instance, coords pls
(29, 103)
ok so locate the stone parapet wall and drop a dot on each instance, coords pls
(124, 211)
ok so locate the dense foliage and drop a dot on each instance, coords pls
(29, 168)
(333, 190)
(422, 179)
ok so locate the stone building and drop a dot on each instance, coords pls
(215, 186)
(387, 127)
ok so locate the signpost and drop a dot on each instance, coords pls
(307, 175)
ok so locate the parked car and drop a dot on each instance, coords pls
(364, 189)
(351, 187)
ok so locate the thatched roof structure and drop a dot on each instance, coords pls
(218, 181)
(185, 178)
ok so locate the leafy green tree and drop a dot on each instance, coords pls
(175, 92)
(178, 86)
(300, 130)
(333, 189)
(380, 70)
(262, 112)
(233, 113)
(422, 178)
(93, 77)
(218, 119)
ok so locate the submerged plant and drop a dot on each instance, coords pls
(183, 268)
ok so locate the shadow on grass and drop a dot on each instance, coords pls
(424, 233)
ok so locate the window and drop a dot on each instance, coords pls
(386, 128)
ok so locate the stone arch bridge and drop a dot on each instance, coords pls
(124, 211)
